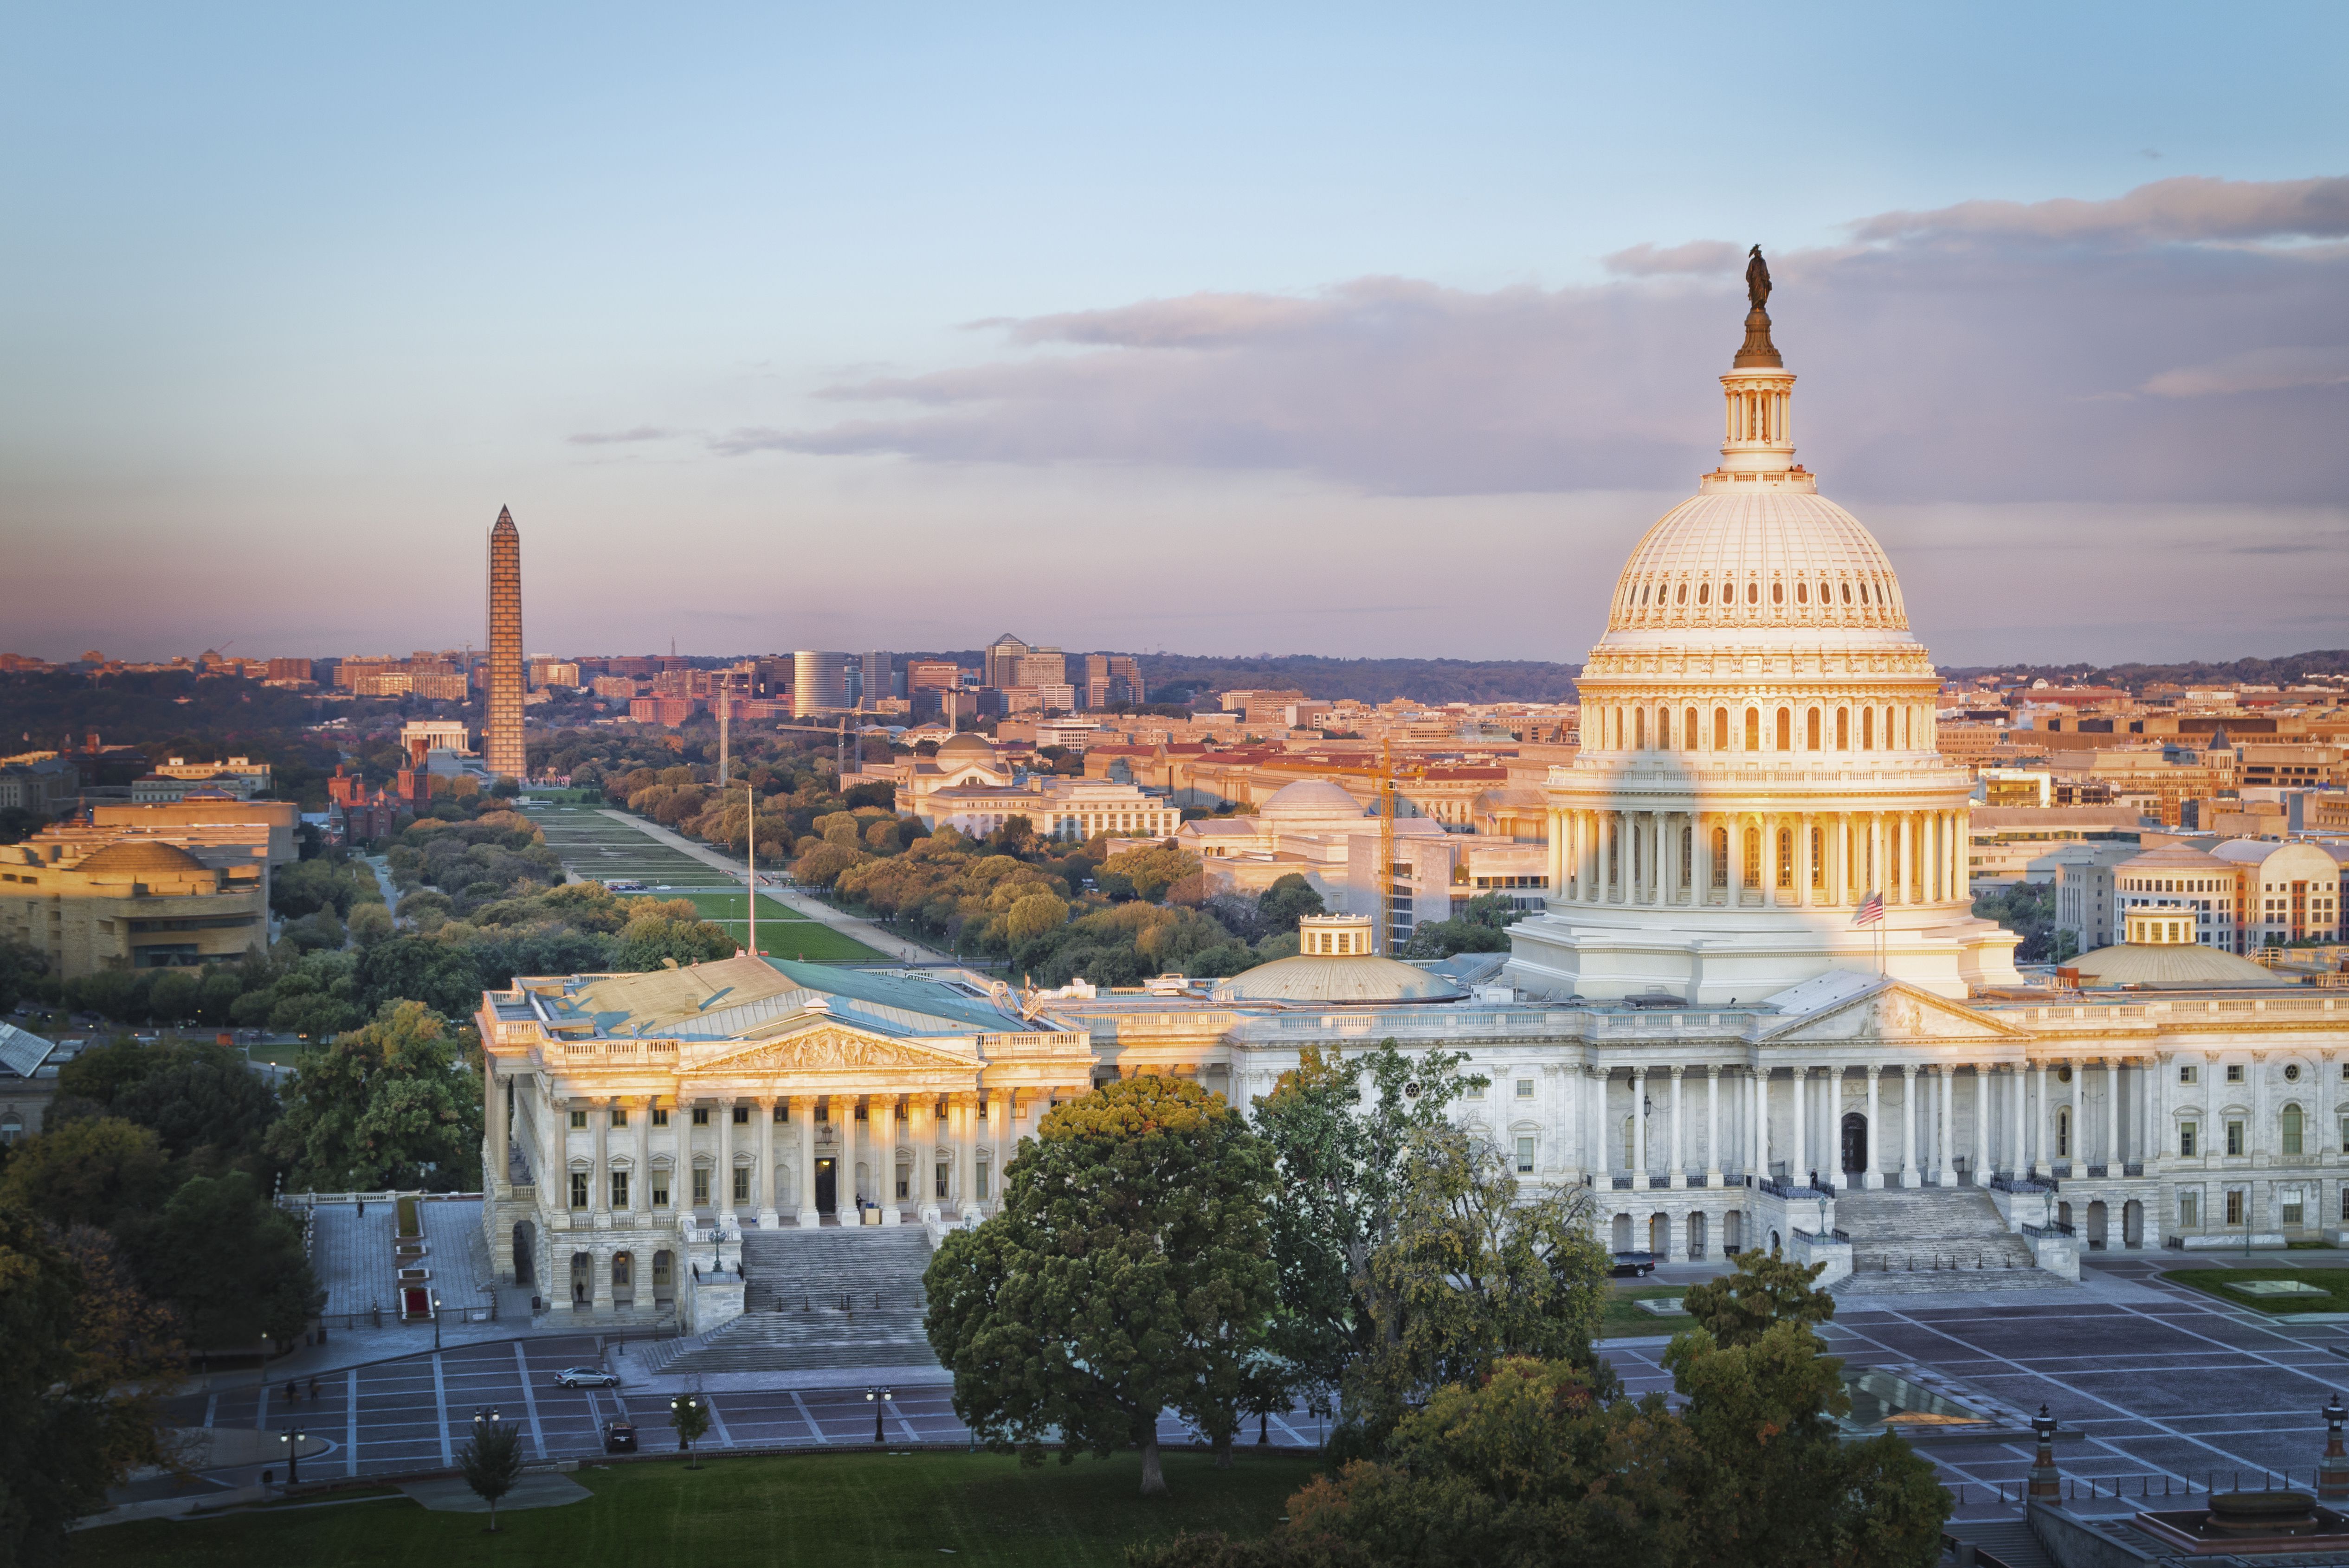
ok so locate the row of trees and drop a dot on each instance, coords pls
(1352, 1249)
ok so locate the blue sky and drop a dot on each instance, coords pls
(1214, 331)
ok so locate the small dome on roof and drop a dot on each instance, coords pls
(1361, 979)
(1310, 798)
(970, 743)
(140, 855)
(2168, 966)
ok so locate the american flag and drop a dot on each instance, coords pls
(1870, 911)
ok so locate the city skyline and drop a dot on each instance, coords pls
(1399, 312)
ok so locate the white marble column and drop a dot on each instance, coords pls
(1910, 1175)
(963, 1108)
(1713, 1125)
(884, 1159)
(1678, 1176)
(804, 1126)
(493, 1117)
(843, 1160)
(2078, 1153)
(2115, 1153)
(1874, 1178)
(1639, 1128)
(1981, 1124)
(1798, 1168)
(1943, 1134)
(2016, 1145)
(723, 1199)
(1758, 1129)
(764, 1181)
(640, 1191)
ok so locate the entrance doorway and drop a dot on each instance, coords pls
(1855, 1143)
(827, 1189)
(526, 1252)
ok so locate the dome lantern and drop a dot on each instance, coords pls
(1757, 438)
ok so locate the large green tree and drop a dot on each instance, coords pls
(88, 1172)
(1343, 1130)
(389, 1105)
(208, 1107)
(1129, 1271)
(1761, 1291)
(228, 1260)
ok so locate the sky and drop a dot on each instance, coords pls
(1351, 330)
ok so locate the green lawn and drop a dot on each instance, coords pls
(1620, 1320)
(2334, 1282)
(823, 1511)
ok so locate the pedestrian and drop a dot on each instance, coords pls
(363, 1208)
(293, 1390)
(314, 1388)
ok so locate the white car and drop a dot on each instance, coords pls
(586, 1378)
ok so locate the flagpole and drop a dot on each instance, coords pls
(751, 826)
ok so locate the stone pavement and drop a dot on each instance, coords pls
(879, 938)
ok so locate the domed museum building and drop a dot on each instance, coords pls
(1757, 1010)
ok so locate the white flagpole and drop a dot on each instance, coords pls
(750, 825)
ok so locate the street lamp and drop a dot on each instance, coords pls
(878, 1397)
(436, 1320)
(293, 1441)
(263, 1381)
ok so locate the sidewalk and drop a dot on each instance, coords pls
(878, 938)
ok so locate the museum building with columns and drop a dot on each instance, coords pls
(1698, 1030)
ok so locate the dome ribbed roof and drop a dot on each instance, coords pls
(1310, 798)
(2169, 966)
(1769, 556)
(970, 743)
(140, 855)
(1313, 980)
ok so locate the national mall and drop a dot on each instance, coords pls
(1757, 1011)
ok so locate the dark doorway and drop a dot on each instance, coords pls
(525, 1251)
(1855, 1143)
(827, 1194)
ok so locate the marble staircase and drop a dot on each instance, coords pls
(836, 1296)
(1934, 1239)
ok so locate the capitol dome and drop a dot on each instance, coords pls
(1309, 798)
(1758, 760)
(968, 744)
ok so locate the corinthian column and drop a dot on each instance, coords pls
(1798, 1168)
(1678, 1176)
(1874, 1179)
(723, 1199)
(1713, 1125)
(767, 1218)
(804, 1126)
(1909, 1176)
(1640, 1128)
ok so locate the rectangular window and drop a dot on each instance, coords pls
(702, 1188)
(620, 1190)
(579, 1120)
(579, 1188)
(1525, 1088)
(741, 1185)
(660, 1116)
(2290, 1126)
(942, 1179)
(2234, 1137)
(2186, 1132)
(783, 1111)
(660, 1190)
(905, 1184)
(2234, 1072)
(2293, 1206)
(741, 1116)
(619, 1116)
(1524, 1155)
(982, 1178)
(700, 1116)
(1475, 1090)
(2189, 1210)
(2189, 1075)
(2235, 1208)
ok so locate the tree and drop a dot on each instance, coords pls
(1280, 905)
(659, 930)
(1150, 871)
(204, 1104)
(228, 1261)
(1765, 1290)
(126, 1347)
(88, 1172)
(689, 1414)
(1477, 1271)
(21, 970)
(60, 1440)
(1342, 1130)
(1129, 1271)
(491, 1460)
(384, 1106)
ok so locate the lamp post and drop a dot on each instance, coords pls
(293, 1441)
(878, 1397)
(2047, 1485)
(264, 1380)
(436, 1320)
(2333, 1475)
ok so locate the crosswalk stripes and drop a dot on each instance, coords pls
(725, 1437)
(351, 1426)
(530, 1401)
(440, 1408)
(816, 1433)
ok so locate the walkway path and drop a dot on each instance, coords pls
(382, 871)
(881, 939)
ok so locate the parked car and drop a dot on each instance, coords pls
(1631, 1265)
(586, 1378)
(619, 1438)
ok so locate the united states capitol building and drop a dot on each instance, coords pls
(1697, 1029)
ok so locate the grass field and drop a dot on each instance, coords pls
(2215, 1282)
(604, 848)
(823, 1511)
(1621, 1320)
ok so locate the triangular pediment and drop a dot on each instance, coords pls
(1891, 1010)
(831, 1045)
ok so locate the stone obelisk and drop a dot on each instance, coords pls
(502, 744)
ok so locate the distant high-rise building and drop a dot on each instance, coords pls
(501, 742)
(1041, 666)
(819, 684)
(877, 678)
(1001, 667)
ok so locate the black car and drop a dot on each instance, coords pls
(619, 1438)
(1631, 1265)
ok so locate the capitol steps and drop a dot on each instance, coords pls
(836, 1298)
(1914, 1241)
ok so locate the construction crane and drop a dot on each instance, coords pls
(1383, 936)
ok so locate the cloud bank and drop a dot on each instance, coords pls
(2187, 341)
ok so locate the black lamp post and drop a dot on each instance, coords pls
(878, 1397)
(293, 1441)
(436, 1320)
(2047, 1485)
(2333, 1475)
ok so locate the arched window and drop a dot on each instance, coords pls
(1777, 596)
(1752, 837)
(1704, 592)
(1721, 729)
(2293, 1123)
(1843, 729)
(1679, 598)
(2064, 1132)
(1785, 857)
(1868, 730)
(1847, 593)
(1802, 592)
(1688, 730)
(1818, 858)
(1643, 595)
(1638, 729)
(1753, 730)
(1663, 729)
(1785, 730)
(1812, 725)
(1754, 593)
(1721, 857)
